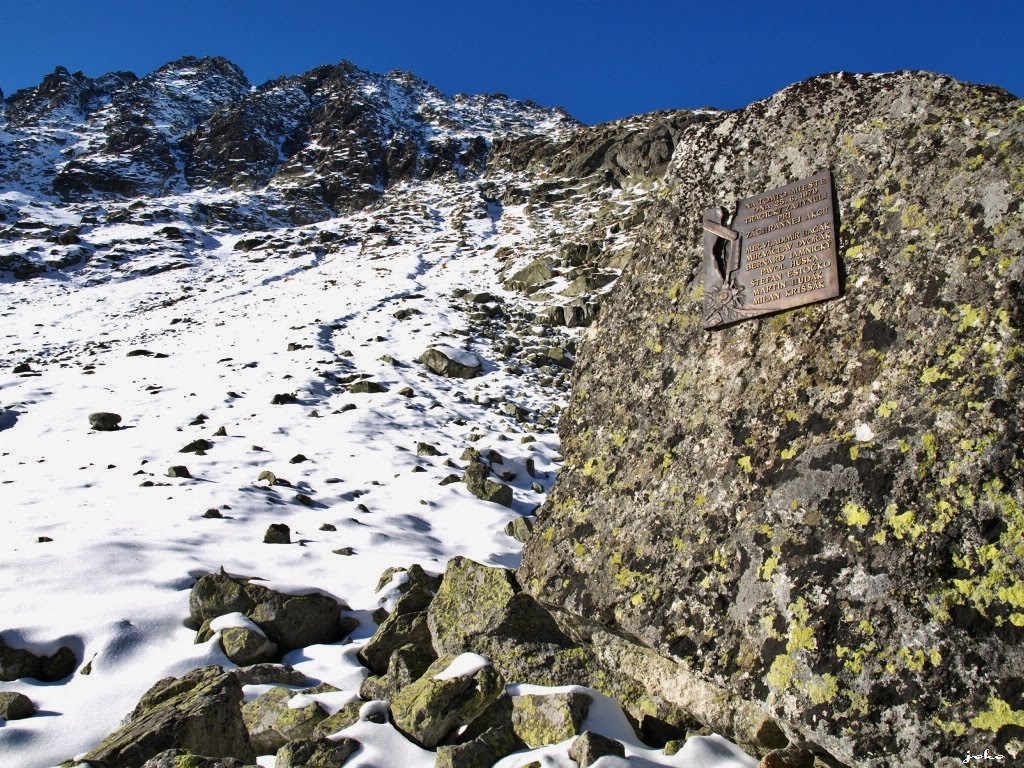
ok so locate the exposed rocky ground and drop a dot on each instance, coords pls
(800, 533)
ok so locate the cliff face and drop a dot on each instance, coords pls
(821, 511)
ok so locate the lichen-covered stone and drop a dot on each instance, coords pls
(289, 621)
(430, 709)
(183, 758)
(199, 712)
(339, 721)
(481, 752)
(315, 753)
(406, 664)
(589, 747)
(271, 722)
(245, 646)
(819, 512)
(480, 485)
(398, 629)
(478, 602)
(549, 718)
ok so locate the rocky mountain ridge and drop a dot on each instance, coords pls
(802, 533)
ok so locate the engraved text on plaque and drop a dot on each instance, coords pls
(778, 252)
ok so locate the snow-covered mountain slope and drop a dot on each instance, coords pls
(215, 262)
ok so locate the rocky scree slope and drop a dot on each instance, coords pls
(819, 512)
(156, 251)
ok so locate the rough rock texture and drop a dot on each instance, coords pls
(430, 709)
(16, 663)
(272, 723)
(15, 706)
(199, 712)
(315, 753)
(820, 512)
(590, 747)
(290, 621)
(452, 363)
(182, 758)
(542, 719)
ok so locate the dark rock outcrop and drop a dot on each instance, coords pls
(17, 663)
(290, 621)
(818, 513)
(200, 712)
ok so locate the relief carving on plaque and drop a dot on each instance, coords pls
(777, 252)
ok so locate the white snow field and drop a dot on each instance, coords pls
(99, 547)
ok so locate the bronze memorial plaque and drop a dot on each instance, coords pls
(778, 252)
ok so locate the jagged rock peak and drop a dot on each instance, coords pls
(330, 139)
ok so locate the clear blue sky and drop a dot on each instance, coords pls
(597, 58)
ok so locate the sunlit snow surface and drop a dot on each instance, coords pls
(114, 581)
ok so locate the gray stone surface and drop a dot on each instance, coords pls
(818, 512)
(15, 706)
(199, 712)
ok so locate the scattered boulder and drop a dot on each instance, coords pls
(451, 362)
(197, 446)
(315, 753)
(480, 485)
(367, 387)
(245, 646)
(445, 699)
(183, 758)
(520, 528)
(483, 610)
(397, 630)
(542, 719)
(340, 720)
(284, 398)
(179, 470)
(272, 720)
(15, 706)
(290, 621)
(529, 278)
(482, 752)
(199, 712)
(405, 665)
(18, 663)
(278, 533)
(104, 421)
(589, 747)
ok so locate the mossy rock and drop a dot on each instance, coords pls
(429, 710)
(339, 721)
(818, 512)
(406, 665)
(271, 722)
(481, 752)
(199, 712)
(315, 753)
(481, 486)
(183, 758)
(542, 719)
(246, 646)
(398, 629)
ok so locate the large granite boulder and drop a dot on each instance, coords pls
(200, 712)
(821, 512)
(289, 621)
